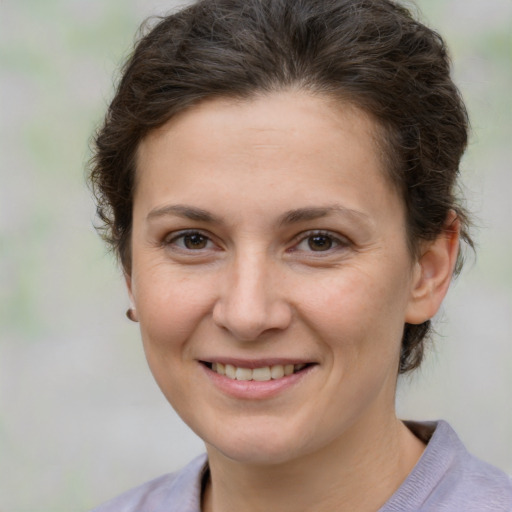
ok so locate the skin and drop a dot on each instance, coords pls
(255, 180)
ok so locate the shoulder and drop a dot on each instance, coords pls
(178, 491)
(448, 478)
(473, 483)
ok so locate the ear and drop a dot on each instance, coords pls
(129, 288)
(128, 281)
(433, 273)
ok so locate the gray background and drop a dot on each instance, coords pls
(80, 417)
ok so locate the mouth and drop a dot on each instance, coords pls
(259, 374)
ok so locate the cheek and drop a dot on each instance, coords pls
(171, 307)
(357, 309)
(172, 310)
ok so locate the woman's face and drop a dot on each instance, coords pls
(266, 239)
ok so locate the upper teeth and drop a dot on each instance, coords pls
(261, 374)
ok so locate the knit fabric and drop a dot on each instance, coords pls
(446, 479)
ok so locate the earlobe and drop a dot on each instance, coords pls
(433, 273)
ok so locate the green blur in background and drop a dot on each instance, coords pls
(80, 417)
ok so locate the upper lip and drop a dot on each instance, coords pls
(256, 363)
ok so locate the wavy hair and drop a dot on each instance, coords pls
(371, 53)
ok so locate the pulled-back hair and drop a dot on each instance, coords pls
(371, 53)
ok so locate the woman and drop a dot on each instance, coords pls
(277, 178)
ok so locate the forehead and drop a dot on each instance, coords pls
(291, 140)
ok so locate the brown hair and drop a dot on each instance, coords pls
(372, 53)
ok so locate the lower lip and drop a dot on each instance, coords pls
(253, 389)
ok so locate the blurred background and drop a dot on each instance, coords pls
(80, 417)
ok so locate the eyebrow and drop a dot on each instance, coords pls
(184, 211)
(312, 213)
(290, 217)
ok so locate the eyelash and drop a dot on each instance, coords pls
(175, 237)
(336, 242)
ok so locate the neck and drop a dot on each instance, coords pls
(337, 477)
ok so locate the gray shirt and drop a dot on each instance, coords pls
(445, 479)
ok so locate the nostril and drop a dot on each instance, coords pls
(249, 321)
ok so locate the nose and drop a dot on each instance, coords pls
(250, 301)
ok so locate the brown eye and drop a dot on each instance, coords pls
(320, 242)
(195, 241)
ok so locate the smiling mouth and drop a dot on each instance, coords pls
(262, 374)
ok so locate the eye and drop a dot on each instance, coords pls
(190, 241)
(319, 242)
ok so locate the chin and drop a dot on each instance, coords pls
(256, 453)
(260, 446)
